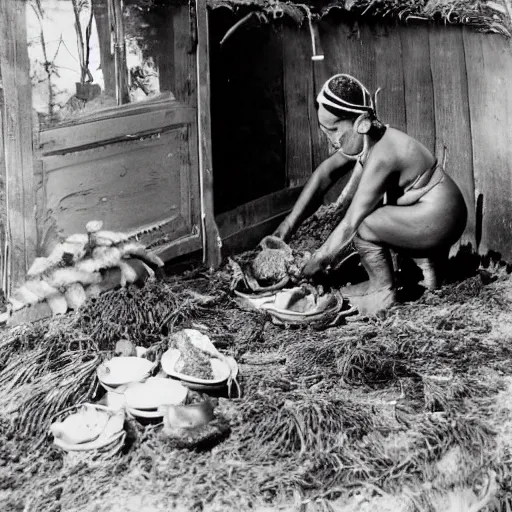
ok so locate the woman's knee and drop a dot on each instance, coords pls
(366, 232)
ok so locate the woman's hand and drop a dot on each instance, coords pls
(316, 264)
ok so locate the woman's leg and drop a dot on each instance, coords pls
(436, 221)
(423, 230)
(379, 291)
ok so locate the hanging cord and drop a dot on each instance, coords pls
(312, 33)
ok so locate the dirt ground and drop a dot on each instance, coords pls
(407, 411)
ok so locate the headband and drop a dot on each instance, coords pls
(327, 97)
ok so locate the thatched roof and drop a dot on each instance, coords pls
(489, 16)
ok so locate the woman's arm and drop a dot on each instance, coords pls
(324, 177)
(370, 191)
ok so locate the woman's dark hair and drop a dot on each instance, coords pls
(348, 89)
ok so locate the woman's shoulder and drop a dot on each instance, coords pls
(398, 144)
(398, 151)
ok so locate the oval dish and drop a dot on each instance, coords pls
(154, 392)
(123, 370)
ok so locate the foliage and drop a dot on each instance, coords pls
(489, 17)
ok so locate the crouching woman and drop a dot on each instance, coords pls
(404, 200)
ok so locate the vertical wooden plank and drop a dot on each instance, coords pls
(14, 68)
(319, 74)
(489, 68)
(451, 105)
(389, 76)
(418, 88)
(297, 81)
(184, 54)
(122, 92)
(211, 237)
(372, 54)
(3, 198)
(165, 54)
(349, 48)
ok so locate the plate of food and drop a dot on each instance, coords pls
(193, 358)
(91, 427)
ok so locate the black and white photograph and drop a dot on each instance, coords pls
(255, 256)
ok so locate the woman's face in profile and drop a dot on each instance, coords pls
(338, 131)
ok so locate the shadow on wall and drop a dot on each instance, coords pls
(247, 111)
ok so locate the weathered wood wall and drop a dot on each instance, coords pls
(445, 85)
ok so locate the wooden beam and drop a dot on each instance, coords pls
(211, 238)
(243, 227)
(17, 135)
(257, 211)
(100, 9)
(116, 20)
(320, 72)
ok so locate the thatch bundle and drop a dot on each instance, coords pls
(487, 16)
(406, 411)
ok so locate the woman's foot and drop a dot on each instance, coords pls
(369, 300)
(430, 278)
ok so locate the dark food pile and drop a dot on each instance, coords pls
(193, 361)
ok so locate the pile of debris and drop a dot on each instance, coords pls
(82, 266)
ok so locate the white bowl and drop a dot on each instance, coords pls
(123, 370)
(220, 368)
(154, 392)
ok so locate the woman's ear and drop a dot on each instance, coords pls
(363, 124)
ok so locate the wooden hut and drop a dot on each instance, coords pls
(443, 67)
(122, 131)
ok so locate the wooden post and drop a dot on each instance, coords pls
(211, 238)
(100, 10)
(17, 141)
(3, 198)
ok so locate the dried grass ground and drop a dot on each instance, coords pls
(408, 411)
